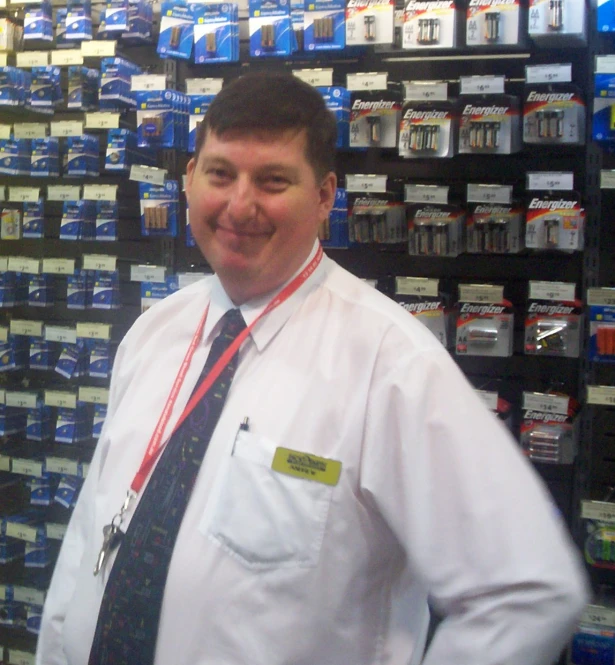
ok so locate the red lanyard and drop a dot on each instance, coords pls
(155, 445)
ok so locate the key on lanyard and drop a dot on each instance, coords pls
(111, 539)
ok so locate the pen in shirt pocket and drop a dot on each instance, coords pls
(244, 427)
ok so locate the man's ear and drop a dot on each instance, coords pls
(189, 176)
(327, 194)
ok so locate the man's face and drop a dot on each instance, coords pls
(255, 207)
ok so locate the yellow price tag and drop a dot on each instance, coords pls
(307, 466)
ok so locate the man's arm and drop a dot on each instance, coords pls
(477, 525)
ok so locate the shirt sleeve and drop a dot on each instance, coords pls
(49, 648)
(476, 524)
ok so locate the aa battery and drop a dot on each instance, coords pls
(369, 25)
(268, 36)
(492, 26)
(429, 31)
(550, 124)
(556, 21)
(323, 29)
(483, 134)
(491, 236)
(424, 137)
(155, 217)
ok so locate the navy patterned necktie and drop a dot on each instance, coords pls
(130, 610)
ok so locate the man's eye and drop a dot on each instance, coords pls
(219, 174)
(275, 182)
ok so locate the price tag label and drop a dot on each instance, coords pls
(20, 400)
(62, 57)
(27, 194)
(561, 73)
(61, 335)
(59, 266)
(315, 77)
(602, 511)
(605, 64)
(363, 81)
(5, 590)
(93, 331)
(26, 467)
(2, 395)
(33, 59)
(147, 174)
(63, 193)
(5, 130)
(416, 286)
(545, 403)
(24, 264)
(601, 395)
(5, 463)
(99, 262)
(100, 192)
(607, 179)
(66, 128)
(55, 531)
(4, 334)
(426, 193)
(356, 182)
(30, 130)
(85, 469)
(145, 82)
(4, 57)
(429, 91)
(61, 465)
(98, 49)
(187, 278)
(4, 263)
(599, 616)
(102, 120)
(147, 273)
(490, 399)
(94, 395)
(206, 86)
(20, 657)
(23, 594)
(482, 85)
(547, 180)
(60, 399)
(501, 194)
(601, 296)
(28, 328)
(485, 293)
(564, 291)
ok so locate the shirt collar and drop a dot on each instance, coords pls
(268, 327)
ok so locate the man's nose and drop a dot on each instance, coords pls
(242, 201)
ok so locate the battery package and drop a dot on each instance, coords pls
(374, 119)
(603, 120)
(427, 129)
(216, 32)
(490, 125)
(601, 346)
(606, 15)
(323, 25)
(555, 222)
(430, 24)
(554, 115)
(495, 23)
(38, 23)
(495, 229)
(270, 28)
(422, 298)
(550, 437)
(435, 230)
(333, 232)
(376, 218)
(370, 22)
(159, 208)
(553, 328)
(338, 100)
(558, 22)
(176, 31)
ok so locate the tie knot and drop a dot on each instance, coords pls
(232, 323)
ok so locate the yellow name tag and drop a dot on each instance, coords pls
(306, 466)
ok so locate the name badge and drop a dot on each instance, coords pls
(306, 466)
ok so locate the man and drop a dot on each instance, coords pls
(352, 476)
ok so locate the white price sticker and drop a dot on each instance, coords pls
(24, 194)
(147, 273)
(2, 395)
(3, 587)
(27, 328)
(20, 400)
(59, 266)
(4, 334)
(93, 331)
(599, 616)
(33, 59)
(357, 182)
(60, 334)
(20, 657)
(607, 179)
(100, 192)
(545, 403)
(5, 131)
(605, 64)
(315, 77)
(601, 296)
(205, 86)
(490, 399)
(94, 395)
(4, 263)
(426, 193)
(23, 594)
(501, 194)
(66, 128)
(30, 130)
(26, 467)
(416, 286)
(561, 73)
(63, 193)
(102, 120)
(55, 531)
(427, 91)
(99, 262)
(98, 49)
(550, 180)
(5, 463)
(62, 57)
(601, 395)
(602, 511)
(61, 465)
(147, 174)
(482, 85)
(24, 264)
(146, 82)
(564, 291)
(481, 293)
(187, 278)
(365, 81)
(85, 469)
(60, 399)
(4, 57)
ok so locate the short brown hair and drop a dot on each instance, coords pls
(274, 102)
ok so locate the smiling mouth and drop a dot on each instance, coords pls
(242, 234)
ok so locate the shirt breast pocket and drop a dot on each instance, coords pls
(263, 518)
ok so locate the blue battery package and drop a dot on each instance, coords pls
(38, 23)
(216, 32)
(324, 28)
(14, 86)
(106, 290)
(82, 155)
(33, 219)
(68, 491)
(12, 420)
(14, 353)
(15, 156)
(42, 354)
(39, 423)
(123, 151)
(100, 358)
(162, 119)
(73, 425)
(40, 491)
(113, 19)
(60, 28)
(107, 217)
(606, 16)
(83, 84)
(154, 292)
(270, 28)
(334, 232)
(337, 100)
(79, 290)
(45, 87)
(70, 358)
(41, 290)
(198, 107)
(140, 22)
(45, 157)
(603, 120)
(176, 30)
(115, 83)
(77, 217)
(78, 20)
(159, 208)
(100, 413)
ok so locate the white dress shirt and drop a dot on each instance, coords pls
(434, 499)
